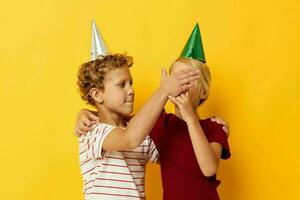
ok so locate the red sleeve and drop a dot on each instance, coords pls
(158, 129)
(217, 134)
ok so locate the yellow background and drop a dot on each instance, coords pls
(252, 49)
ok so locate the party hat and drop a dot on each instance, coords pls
(194, 47)
(99, 48)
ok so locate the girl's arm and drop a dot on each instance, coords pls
(84, 121)
(208, 154)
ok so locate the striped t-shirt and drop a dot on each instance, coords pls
(115, 175)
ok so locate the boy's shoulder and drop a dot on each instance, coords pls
(98, 130)
(102, 126)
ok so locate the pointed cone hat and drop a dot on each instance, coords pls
(194, 47)
(99, 48)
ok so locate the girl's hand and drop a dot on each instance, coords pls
(185, 105)
(84, 122)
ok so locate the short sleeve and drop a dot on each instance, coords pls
(95, 140)
(217, 134)
(152, 153)
(158, 129)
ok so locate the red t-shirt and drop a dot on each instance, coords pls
(182, 178)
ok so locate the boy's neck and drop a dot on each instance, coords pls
(108, 117)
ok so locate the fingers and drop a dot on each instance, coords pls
(219, 120)
(85, 121)
(188, 79)
(185, 73)
(226, 130)
(187, 94)
(225, 127)
(174, 100)
(84, 126)
(188, 86)
(189, 71)
(180, 99)
(89, 120)
(164, 74)
(78, 132)
(93, 117)
(81, 129)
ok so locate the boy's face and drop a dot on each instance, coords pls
(118, 95)
(194, 92)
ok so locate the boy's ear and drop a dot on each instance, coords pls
(97, 95)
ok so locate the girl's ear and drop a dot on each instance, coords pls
(203, 95)
(97, 95)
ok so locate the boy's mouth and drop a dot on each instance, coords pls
(129, 101)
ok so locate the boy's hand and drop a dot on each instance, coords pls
(185, 105)
(178, 82)
(219, 120)
(85, 120)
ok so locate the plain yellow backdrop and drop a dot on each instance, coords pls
(252, 49)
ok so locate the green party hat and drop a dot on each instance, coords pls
(194, 47)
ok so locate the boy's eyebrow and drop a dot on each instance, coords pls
(124, 79)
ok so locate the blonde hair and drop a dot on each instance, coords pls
(205, 76)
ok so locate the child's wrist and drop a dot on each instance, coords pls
(162, 91)
(193, 118)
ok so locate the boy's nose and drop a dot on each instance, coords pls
(130, 91)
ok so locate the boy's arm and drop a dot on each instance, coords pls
(141, 124)
(138, 127)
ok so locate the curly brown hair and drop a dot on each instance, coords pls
(91, 74)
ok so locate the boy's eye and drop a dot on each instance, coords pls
(121, 84)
